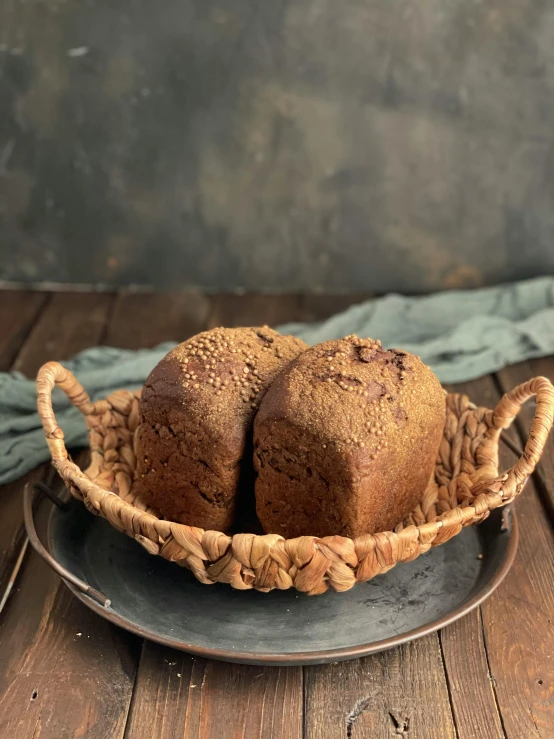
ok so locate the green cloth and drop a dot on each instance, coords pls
(460, 334)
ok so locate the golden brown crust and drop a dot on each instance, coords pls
(197, 409)
(346, 440)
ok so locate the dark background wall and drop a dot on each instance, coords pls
(295, 145)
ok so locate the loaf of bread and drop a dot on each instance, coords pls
(197, 406)
(346, 440)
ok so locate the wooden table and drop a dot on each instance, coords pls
(65, 672)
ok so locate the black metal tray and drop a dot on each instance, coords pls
(164, 602)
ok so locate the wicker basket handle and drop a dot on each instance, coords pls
(503, 415)
(50, 375)
(53, 374)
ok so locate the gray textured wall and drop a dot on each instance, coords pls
(296, 145)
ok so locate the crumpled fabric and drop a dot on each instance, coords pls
(461, 335)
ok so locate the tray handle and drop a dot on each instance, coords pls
(502, 417)
(28, 496)
(49, 376)
(511, 483)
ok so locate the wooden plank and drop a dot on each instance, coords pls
(510, 377)
(179, 695)
(213, 698)
(518, 625)
(376, 693)
(254, 310)
(12, 531)
(92, 692)
(469, 682)
(321, 307)
(66, 672)
(142, 320)
(399, 692)
(517, 618)
(463, 646)
(69, 322)
(75, 702)
(18, 311)
(469, 647)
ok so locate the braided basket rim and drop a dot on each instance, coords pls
(467, 486)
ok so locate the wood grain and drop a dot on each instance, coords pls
(142, 320)
(321, 307)
(210, 698)
(12, 530)
(469, 681)
(518, 628)
(92, 691)
(254, 310)
(18, 312)
(68, 323)
(401, 692)
(517, 618)
(66, 672)
(377, 693)
(462, 643)
(179, 695)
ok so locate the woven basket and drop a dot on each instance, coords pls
(466, 487)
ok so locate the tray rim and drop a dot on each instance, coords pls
(315, 657)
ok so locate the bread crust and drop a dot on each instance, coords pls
(193, 444)
(346, 440)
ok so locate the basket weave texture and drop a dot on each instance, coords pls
(466, 487)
